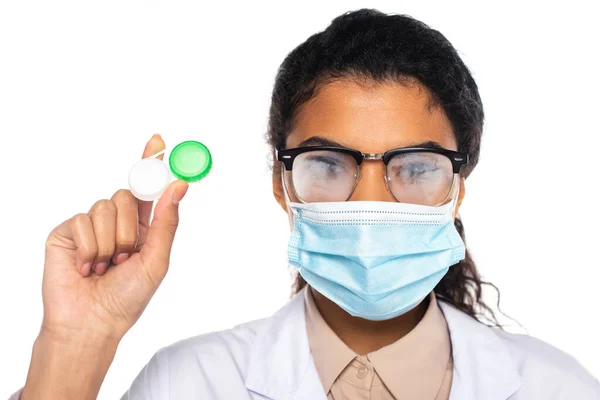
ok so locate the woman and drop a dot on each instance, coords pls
(374, 123)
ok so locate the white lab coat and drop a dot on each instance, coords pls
(270, 359)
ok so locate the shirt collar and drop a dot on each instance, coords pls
(329, 353)
(412, 367)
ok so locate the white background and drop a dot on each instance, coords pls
(83, 85)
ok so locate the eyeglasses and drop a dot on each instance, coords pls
(416, 175)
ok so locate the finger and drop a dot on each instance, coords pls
(81, 230)
(154, 145)
(156, 251)
(103, 215)
(126, 233)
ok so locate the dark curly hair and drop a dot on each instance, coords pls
(368, 45)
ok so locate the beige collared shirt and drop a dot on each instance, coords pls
(416, 367)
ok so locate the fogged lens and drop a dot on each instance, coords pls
(323, 175)
(420, 178)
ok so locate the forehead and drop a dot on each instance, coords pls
(372, 117)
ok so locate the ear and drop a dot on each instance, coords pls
(278, 189)
(461, 195)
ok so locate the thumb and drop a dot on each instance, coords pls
(156, 250)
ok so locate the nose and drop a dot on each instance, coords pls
(372, 183)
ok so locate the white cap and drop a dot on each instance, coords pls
(149, 178)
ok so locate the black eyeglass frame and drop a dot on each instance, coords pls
(458, 159)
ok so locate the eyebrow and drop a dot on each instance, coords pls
(321, 141)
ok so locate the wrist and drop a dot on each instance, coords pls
(68, 369)
(80, 340)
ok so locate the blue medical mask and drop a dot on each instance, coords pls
(376, 260)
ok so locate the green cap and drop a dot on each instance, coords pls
(190, 161)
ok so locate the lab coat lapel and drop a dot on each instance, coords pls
(281, 366)
(483, 368)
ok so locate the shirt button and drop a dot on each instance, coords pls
(362, 372)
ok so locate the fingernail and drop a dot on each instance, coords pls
(101, 268)
(121, 257)
(85, 270)
(179, 192)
